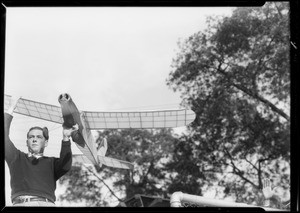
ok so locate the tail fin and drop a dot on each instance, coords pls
(102, 147)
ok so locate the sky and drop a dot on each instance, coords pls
(106, 58)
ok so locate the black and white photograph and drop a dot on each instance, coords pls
(148, 106)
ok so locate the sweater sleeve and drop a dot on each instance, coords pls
(63, 164)
(11, 152)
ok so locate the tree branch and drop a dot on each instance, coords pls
(251, 163)
(259, 171)
(145, 178)
(112, 192)
(254, 95)
(236, 170)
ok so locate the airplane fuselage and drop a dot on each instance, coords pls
(83, 136)
(71, 116)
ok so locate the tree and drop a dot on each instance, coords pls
(148, 150)
(235, 76)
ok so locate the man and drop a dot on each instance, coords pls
(34, 176)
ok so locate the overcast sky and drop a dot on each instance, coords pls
(106, 58)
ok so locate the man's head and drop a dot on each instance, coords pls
(37, 139)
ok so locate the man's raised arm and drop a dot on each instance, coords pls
(10, 149)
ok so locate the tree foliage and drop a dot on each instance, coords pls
(235, 76)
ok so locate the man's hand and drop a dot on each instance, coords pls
(267, 190)
(12, 105)
(68, 131)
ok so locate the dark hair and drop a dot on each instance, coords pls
(44, 130)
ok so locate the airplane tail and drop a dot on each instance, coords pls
(102, 150)
(107, 161)
(102, 147)
(111, 162)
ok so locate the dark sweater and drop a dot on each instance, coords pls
(31, 176)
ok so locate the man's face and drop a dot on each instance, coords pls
(36, 142)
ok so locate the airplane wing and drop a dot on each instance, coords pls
(140, 120)
(107, 161)
(36, 109)
(108, 120)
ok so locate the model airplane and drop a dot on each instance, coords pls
(68, 115)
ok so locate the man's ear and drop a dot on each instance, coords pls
(46, 143)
